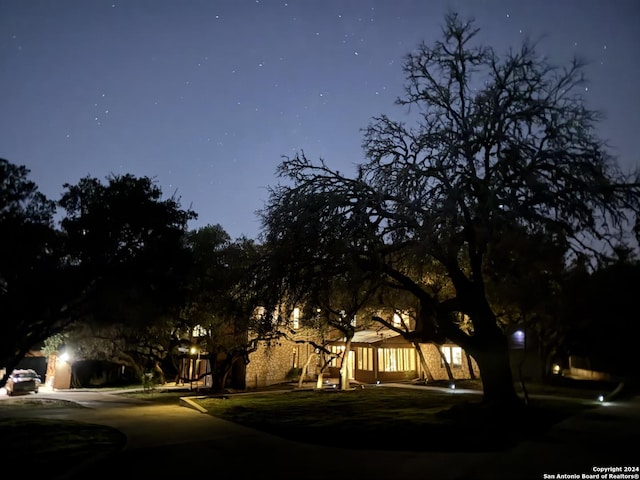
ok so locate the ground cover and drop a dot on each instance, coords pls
(392, 418)
(44, 442)
(365, 417)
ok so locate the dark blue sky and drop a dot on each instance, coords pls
(207, 96)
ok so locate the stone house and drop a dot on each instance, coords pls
(375, 356)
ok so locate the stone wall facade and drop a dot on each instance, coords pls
(437, 368)
(270, 364)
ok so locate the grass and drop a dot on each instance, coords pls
(358, 418)
(363, 418)
(43, 441)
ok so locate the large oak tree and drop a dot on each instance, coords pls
(33, 285)
(125, 246)
(500, 144)
(220, 307)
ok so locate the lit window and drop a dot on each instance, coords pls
(296, 318)
(401, 320)
(365, 358)
(338, 352)
(396, 359)
(199, 331)
(260, 313)
(387, 360)
(456, 354)
(453, 356)
(447, 354)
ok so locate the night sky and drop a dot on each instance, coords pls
(206, 96)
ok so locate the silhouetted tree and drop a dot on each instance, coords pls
(222, 301)
(598, 318)
(312, 268)
(33, 283)
(498, 142)
(126, 245)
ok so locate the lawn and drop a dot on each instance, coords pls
(43, 442)
(373, 417)
(411, 419)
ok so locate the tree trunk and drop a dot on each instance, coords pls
(344, 367)
(217, 378)
(424, 370)
(305, 369)
(161, 379)
(489, 347)
(495, 372)
(446, 363)
(472, 373)
(239, 373)
(220, 373)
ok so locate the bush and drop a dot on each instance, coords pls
(148, 381)
(293, 374)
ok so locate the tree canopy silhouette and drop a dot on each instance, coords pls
(125, 246)
(119, 260)
(31, 284)
(501, 144)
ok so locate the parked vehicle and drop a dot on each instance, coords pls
(23, 381)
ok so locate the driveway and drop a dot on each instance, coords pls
(173, 441)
